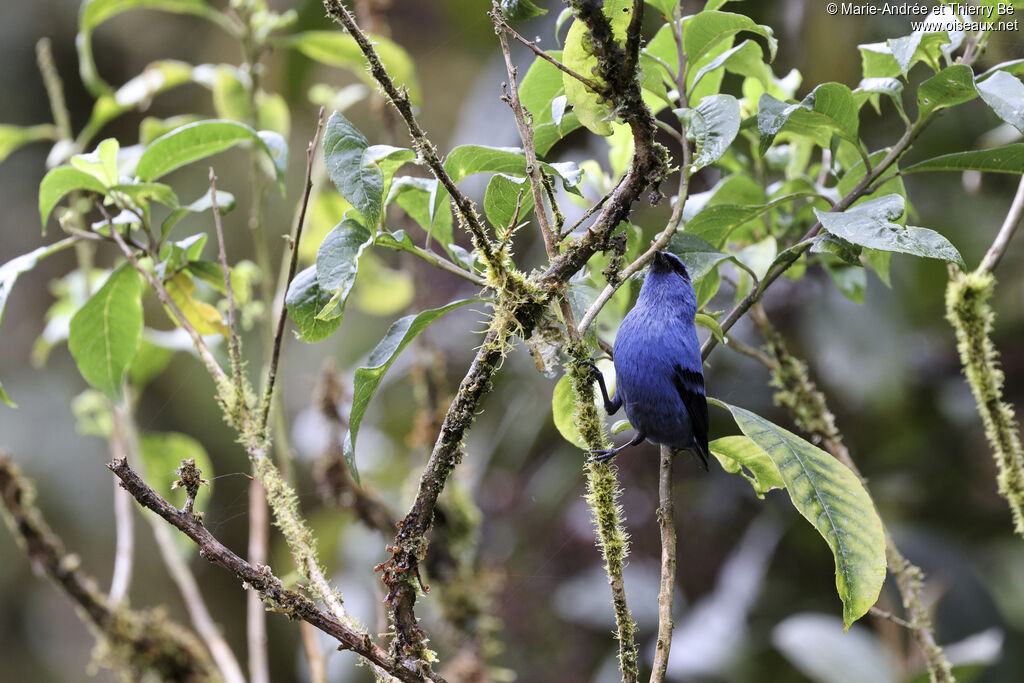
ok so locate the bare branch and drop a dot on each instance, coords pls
(1002, 241)
(502, 25)
(526, 134)
(282, 315)
(666, 596)
(261, 579)
(143, 644)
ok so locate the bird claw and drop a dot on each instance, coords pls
(602, 455)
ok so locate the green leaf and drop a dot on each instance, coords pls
(1008, 159)
(414, 195)
(162, 452)
(951, 86)
(829, 108)
(834, 501)
(156, 78)
(1004, 94)
(368, 377)
(870, 225)
(705, 30)
(13, 137)
(712, 125)
(230, 94)
(563, 407)
(353, 169)
(337, 263)
(521, 10)
(101, 163)
(95, 12)
(304, 300)
(666, 7)
(711, 325)
(338, 49)
(538, 92)
(744, 59)
(716, 222)
(871, 88)
(503, 194)
(59, 182)
(225, 202)
(199, 140)
(593, 111)
(382, 291)
(740, 455)
(105, 333)
(850, 279)
(140, 194)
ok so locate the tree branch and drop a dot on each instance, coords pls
(666, 596)
(400, 99)
(1002, 241)
(261, 579)
(141, 644)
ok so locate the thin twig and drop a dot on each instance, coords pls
(282, 315)
(233, 340)
(526, 134)
(502, 25)
(269, 586)
(1002, 241)
(314, 655)
(666, 596)
(879, 612)
(54, 88)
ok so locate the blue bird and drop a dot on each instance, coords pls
(659, 376)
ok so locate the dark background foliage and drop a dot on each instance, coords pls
(888, 366)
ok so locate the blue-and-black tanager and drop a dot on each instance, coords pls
(658, 372)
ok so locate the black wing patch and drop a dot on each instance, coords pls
(690, 385)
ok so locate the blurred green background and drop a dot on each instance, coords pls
(756, 597)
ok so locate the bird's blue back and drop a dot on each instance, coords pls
(658, 368)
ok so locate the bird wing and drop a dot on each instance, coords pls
(690, 385)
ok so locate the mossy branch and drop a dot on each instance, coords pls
(136, 644)
(603, 493)
(969, 312)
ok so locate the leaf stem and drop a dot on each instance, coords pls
(233, 340)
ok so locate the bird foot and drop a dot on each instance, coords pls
(603, 455)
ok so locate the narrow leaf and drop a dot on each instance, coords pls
(368, 377)
(13, 137)
(1008, 159)
(951, 86)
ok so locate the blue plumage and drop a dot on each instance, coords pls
(659, 376)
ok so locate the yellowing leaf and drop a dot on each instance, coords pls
(202, 316)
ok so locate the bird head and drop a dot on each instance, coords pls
(665, 262)
(668, 285)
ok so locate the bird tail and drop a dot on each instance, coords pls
(702, 451)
